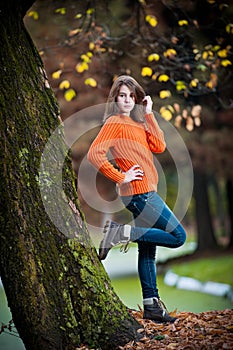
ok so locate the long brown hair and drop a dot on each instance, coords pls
(139, 94)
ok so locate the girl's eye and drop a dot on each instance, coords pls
(123, 95)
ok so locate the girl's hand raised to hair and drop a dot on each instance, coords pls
(147, 103)
(134, 173)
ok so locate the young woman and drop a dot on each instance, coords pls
(131, 133)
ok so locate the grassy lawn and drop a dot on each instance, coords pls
(129, 291)
(215, 269)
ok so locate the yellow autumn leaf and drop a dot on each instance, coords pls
(210, 84)
(162, 109)
(91, 46)
(152, 20)
(65, 84)
(79, 15)
(163, 78)
(56, 75)
(81, 67)
(69, 95)
(153, 57)
(169, 53)
(90, 81)
(194, 82)
(171, 109)
(61, 10)
(222, 53)
(205, 55)
(216, 48)
(197, 56)
(180, 85)
(229, 28)
(226, 63)
(34, 15)
(90, 11)
(164, 94)
(183, 22)
(155, 76)
(85, 58)
(165, 113)
(146, 71)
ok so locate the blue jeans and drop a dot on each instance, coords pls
(155, 225)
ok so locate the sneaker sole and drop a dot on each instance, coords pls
(103, 249)
(160, 321)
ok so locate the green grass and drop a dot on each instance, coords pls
(215, 269)
(129, 291)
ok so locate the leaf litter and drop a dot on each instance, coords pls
(210, 330)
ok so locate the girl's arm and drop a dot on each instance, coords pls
(97, 153)
(155, 135)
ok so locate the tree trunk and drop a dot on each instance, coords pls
(58, 292)
(206, 238)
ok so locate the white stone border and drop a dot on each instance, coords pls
(218, 289)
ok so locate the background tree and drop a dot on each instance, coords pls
(58, 292)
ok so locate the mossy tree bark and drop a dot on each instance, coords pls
(59, 294)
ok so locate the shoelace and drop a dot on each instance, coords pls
(124, 247)
(162, 305)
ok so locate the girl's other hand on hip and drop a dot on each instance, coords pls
(134, 173)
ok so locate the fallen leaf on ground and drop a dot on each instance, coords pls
(206, 330)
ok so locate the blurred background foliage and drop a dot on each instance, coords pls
(181, 52)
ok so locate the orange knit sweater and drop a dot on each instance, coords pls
(130, 143)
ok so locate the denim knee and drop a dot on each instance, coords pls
(181, 237)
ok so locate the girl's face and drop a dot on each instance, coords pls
(125, 100)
